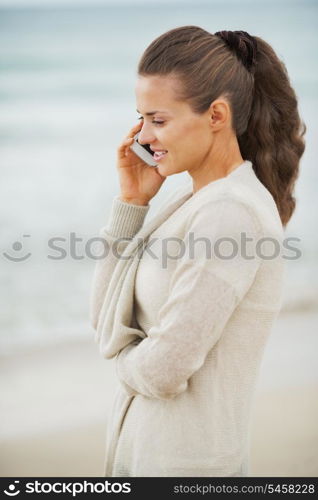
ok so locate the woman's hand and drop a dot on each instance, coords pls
(139, 182)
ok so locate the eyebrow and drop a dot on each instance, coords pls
(150, 113)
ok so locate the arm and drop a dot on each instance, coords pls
(204, 292)
(125, 221)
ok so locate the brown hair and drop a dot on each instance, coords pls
(247, 72)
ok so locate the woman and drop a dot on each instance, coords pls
(188, 322)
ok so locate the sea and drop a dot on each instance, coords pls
(67, 77)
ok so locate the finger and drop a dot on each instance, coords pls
(135, 128)
(121, 150)
(124, 147)
(126, 143)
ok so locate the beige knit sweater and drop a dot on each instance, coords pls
(188, 321)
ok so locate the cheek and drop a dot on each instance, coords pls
(192, 135)
(179, 142)
(186, 140)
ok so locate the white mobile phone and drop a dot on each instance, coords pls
(143, 151)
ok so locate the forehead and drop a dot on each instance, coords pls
(157, 93)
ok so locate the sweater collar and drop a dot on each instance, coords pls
(240, 170)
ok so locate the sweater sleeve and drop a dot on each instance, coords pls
(205, 288)
(124, 222)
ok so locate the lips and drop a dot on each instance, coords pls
(159, 154)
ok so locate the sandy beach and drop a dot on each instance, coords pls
(55, 403)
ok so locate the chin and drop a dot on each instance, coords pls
(164, 169)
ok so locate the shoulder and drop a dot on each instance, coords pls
(238, 201)
(225, 213)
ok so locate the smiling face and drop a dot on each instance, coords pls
(174, 127)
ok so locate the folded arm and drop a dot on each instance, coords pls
(204, 291)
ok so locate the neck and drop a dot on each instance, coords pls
(223, 157)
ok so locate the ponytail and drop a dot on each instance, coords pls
(273, 140)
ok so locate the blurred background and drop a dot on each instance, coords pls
(68, 71)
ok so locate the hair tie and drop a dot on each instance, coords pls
(243, 44)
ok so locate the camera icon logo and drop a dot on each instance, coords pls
(17, 246)
(12, 489)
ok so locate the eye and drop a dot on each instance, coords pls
(153, 121)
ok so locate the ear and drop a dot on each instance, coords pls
(219, 112)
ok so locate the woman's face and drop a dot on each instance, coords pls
(187, 137)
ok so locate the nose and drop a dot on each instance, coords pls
(145, 136)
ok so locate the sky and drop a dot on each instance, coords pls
(30, 3)
(74, 3)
